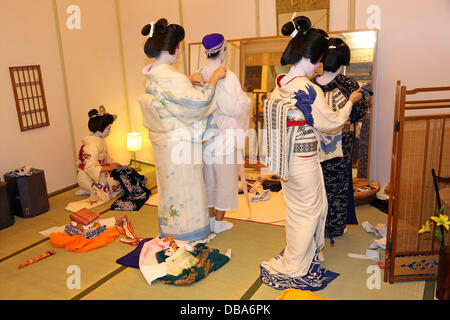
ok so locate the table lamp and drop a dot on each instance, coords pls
(134, 143)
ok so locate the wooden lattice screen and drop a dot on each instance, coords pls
(30, 98)
(421, 143)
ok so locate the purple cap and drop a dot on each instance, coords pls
(213, 43)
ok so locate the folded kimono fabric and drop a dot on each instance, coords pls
(316, 278)
(208, 260)
(125, 228)
(71, 230)
(88, 203)
(296, 294)
(132, 259)
(148, 263)
(136, 194)
(78, 243)
(84, 216)
(177, 261)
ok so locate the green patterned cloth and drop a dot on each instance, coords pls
(208, 260)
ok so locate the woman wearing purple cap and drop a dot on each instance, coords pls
(225, 136)
(174, 112)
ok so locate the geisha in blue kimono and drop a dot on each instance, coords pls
(175, 112)
(337, 171)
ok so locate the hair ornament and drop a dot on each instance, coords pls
(152, 29)
(102, 112)
(294, 33)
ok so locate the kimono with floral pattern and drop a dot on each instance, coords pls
(174, 112)
(92, 156)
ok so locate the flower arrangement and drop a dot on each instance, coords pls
(441, 222)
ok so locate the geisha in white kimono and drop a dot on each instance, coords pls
(300, 126)
(175, 114)
(94, 162)
(224, 138)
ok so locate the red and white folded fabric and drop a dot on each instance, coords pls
(125, 228)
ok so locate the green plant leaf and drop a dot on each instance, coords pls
(438, 235)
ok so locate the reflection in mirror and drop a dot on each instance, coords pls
(256, 62)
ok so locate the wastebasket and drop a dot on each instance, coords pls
(27, 194)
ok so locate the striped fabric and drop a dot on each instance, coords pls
(281, 140)
(276, 156)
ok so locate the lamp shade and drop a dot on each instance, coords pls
(134, 141)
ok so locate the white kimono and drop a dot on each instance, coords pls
(225, 135)
(92, 155)
(175, 114)
(304, 191)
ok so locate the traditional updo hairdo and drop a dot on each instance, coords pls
(308, 42)
(99, 122)
(338, 54)
(164, 38)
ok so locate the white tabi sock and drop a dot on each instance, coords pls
(221, 226)
(82, 192)
(212, 221)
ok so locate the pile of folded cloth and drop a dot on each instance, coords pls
(174, 262)
(23, 171)
(86, 223)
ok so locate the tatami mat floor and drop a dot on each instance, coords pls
(102, 278)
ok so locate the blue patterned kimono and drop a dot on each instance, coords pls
(337, 172)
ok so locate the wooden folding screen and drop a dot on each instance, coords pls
(420, 143)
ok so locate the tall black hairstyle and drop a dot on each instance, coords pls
(166, 37)
(338, 54)
(308, 42)
(99, 122)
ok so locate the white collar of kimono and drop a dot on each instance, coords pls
(149, 69)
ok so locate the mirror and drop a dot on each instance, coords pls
(257, 63)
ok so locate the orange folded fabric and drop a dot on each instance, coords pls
(298, 294)
(79, 243)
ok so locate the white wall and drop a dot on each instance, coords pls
(413, 47)
(267, 18)
(134, 14)
(233, 18)
(94, 70)
(28, 37)
(338, 15)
